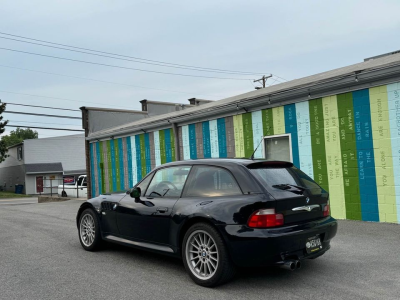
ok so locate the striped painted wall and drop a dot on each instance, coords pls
(349, 143)
(119, 164)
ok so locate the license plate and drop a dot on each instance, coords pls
(313, 244)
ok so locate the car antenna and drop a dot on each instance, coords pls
(252, 156)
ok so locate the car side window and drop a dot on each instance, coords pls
(145, 183)
(168, 182)
(207, 181)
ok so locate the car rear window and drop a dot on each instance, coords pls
(274, 177)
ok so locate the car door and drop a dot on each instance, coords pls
(148, 219)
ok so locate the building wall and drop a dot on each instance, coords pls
(349, 143)
(117, 165)
(30, 180)
(12, 171)
(69, 150)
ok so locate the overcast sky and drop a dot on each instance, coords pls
(290, 39)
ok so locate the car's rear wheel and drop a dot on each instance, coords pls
(205, 256)
(89, 230)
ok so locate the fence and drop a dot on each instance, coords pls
(68, 190)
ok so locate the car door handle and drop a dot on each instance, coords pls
(162, 209)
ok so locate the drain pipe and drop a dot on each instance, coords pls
(85, 125)
(177, 144)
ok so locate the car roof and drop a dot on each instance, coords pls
(223, 162)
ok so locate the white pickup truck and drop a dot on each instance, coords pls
(74, 190)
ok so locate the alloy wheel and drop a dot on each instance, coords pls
(202, 254)
(87, 230)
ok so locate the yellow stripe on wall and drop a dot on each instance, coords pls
(238, 131)
(333, 157)
(278, 116)
(383, 154)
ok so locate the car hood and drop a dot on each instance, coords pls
(96, 202)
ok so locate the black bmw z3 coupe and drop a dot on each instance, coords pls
(216, 214)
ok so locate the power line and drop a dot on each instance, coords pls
(42, 115)
(132, 60)
(47, 107)
(48, 97)
(42, 123)
(167, 64)
(103, 81)
(47, 128)
(120, 67)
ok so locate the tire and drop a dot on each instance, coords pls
(203, 246)
(89, 230)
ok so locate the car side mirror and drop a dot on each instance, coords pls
(136, 193)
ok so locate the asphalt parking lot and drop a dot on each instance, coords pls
(41, 258)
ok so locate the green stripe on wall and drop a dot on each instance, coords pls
(383, 154)
(247, 134)
(117, 170)
(172, 144)
(143, 155)
(103, 182)
(162, 147)
(268, 122)
(349, 156)
(278, 114)
(318, 143)
(110, 181)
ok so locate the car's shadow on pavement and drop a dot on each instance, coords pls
(264, 276)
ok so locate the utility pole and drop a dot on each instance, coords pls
(264, 80)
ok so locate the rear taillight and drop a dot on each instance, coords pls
(327, 210)
(265, 218)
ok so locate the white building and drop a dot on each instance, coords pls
(38, 164)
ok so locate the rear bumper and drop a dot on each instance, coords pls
(257, 247)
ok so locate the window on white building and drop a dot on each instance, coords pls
(19, 153)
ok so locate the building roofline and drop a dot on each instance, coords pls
(16, 145)
(166, 103)
(112, 110)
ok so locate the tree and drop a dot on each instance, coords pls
(3, 147)
(18, 136)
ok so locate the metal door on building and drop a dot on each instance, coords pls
(39, 184)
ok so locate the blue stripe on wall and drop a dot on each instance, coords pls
(168, 148)
(222, 138)
(92, 178)
(291, 127)
(365, 156)
(206, 139)
(129, 154)
(99, 175)
(121, 165)
(192, 141)
(147, 153)
(113, 167)
(138, 158)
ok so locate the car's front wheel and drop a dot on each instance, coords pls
(89, 230)
(205, 256)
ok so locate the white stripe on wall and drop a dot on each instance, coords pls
(214, 139)
(134, 160)
(256, 118)
(157, 151)
(304, 137)
(185, 142)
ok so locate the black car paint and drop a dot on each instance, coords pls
(248, 246)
